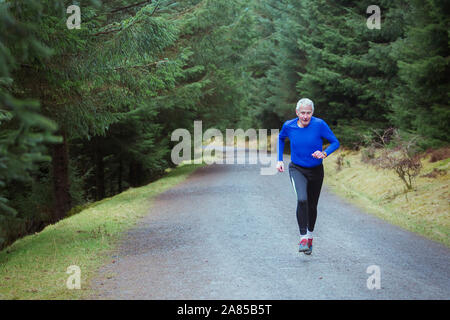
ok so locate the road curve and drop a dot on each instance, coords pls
(228, 232)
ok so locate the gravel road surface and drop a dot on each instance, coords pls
(228, 232)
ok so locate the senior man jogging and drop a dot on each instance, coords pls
(306, 169)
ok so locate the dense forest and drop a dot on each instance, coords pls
(87, 110)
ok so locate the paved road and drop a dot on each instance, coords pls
(228, 232)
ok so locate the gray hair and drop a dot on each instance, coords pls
(305, 102)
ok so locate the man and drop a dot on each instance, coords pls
(306, 169)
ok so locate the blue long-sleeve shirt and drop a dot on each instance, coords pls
(305, 141)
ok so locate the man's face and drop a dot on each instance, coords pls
(304, 114)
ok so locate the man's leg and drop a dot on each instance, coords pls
(314, 187)
(300, 185)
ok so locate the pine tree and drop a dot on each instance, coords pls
(273, 61)
(420, 102)
(24, 132)
(218, 33)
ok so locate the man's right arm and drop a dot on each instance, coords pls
(281, 137)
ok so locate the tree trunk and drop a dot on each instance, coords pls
(120, 175)
(132, 173)
(61, 183)
(99, 170)
(135, 175)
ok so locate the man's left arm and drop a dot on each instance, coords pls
(329, 135)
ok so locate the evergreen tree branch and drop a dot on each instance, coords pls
(156, 8)
(130, 6)
(120, 28)
(106, 32)
(142, 66)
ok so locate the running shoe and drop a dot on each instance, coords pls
(309, 251)
(303, 245)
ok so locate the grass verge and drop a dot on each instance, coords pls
(35, 266)
(424, 210)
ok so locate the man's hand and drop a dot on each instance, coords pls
(319, 155)
(280, 166)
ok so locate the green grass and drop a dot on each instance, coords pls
(424, 210)
(35, 266)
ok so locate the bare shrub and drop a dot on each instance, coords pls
(339, 162)
(368, 154)
(342, 161)
(399, 155)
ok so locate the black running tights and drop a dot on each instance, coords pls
(307, 183)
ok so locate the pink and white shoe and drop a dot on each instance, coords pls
(303, 245)
(309, 251)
